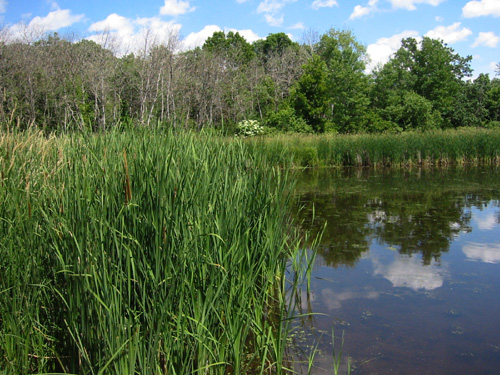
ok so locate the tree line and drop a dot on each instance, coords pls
(319, 85)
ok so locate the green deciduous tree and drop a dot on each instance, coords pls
(470, 106)
(345, 59)
(428, 68)
(413, 112)
(231, 45)
(310, 95)
(493, 101)
(276, 43)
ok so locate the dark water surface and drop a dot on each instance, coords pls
(408, 269)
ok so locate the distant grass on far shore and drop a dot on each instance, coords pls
(449, 147)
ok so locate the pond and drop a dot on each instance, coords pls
(407, 271)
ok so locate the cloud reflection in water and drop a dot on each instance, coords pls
(486, 221)
(409, 272)
(487, 253)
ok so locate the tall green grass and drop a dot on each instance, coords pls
(461, 146)
(141, 253)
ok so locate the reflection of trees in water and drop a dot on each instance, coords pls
(345, 236)
(418, 213)
(422, 223)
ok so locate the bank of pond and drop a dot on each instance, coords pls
(461, 146)
(150, 251)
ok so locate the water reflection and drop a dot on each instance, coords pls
(407, 271)
(417, 212)
(487, 253)
(408, 266)
(485, 220)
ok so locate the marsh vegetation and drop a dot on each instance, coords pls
(141, 252)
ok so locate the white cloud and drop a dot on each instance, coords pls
(409, 272)
(381, 51)
(271, 6)
(3, 6)
(56, 20)
(439, 19)
(38, 26)
(175, 8)
(241, 1)
(197, 39)
(298, 26)
(114, 22)
(274, 20)
(360, 11)
(410, 4)
(317, 4)
(130, 35)
(249, 35)
(450, 34)
(272, 10)
(487, 253)
(488, 39)
(53, 5)
(481, 8)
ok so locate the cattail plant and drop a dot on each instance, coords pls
(141, 252)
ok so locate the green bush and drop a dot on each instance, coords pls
(493, 125)
(286, 120)
(248, 128)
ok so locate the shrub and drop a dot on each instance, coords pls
(248, 128)
(493, 125)
(287, 120)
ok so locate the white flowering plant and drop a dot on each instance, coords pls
(248, 128)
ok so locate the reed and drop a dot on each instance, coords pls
(449, 147)
(141, 253)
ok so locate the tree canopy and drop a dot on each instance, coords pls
(320, 85)
(429, 69)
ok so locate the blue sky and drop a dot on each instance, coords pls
(469, 27)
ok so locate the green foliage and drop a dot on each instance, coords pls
(493, 101)
(471, 102)
(307, 156)
(347, 84)
(286, 120)
(232, 45)
(434, 147)
(274, 44)
(430, 69)
(413, 112)
(493, 125)
(141, 252)
(64, 86)
(375, 123)
(309, 96)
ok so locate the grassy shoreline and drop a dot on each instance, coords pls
(440, 148)
(140, 252)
